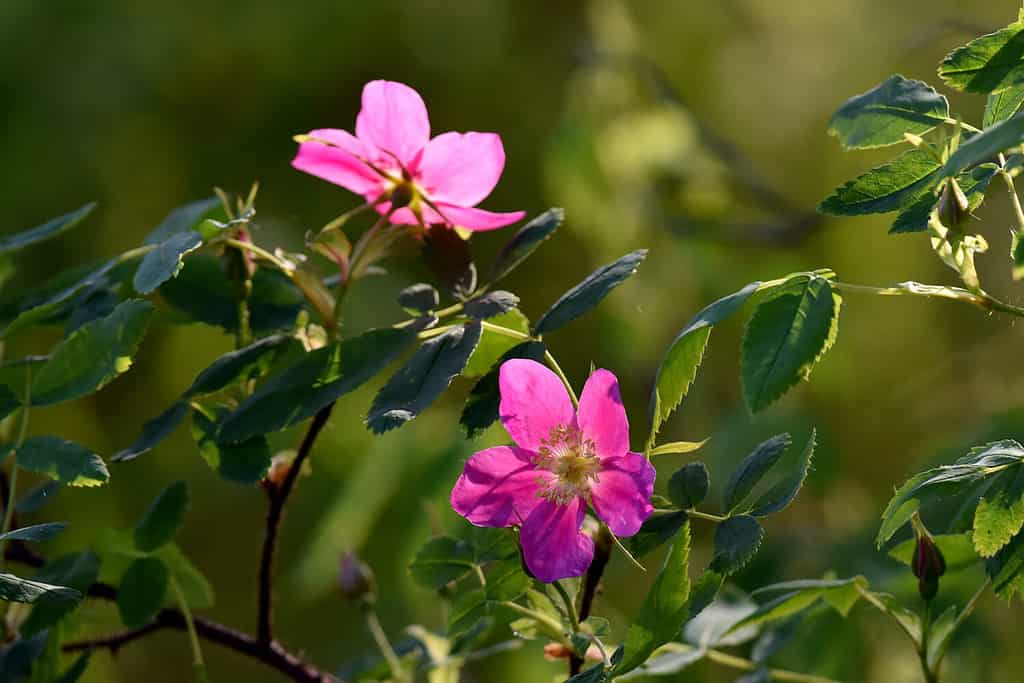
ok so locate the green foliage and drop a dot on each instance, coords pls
(63, 461)
(737, 540)
(143, 588)
(973, 183)
(797, 596)
(93, 356)
(753, 468)
(238, 366)
(1000, 513)
(153, 432)
(47, 230)
(525, 242)
(589, 293)
(423, 378)
(882, 115)
(784, 490)
(442, 560)
(16, 589)
(77, 571)
(36, 532)
(656, 531)
(689, 485)
(182, 220)
(481, 410)
(786, 337)
(419, 298)
(1002, 105)
(889, 187)
(165, 261)
(665, 608)
(682, 359)
(987, 64)
(163, 518)
(491, 304)
(986, 145)
(243, 462)
(493, 344)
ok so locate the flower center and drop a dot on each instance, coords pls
(570, 456)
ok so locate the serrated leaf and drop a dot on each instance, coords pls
(37, 532)
(525, 242)
(736, 542)
(782, 493)
(481, 410)
(1000, 513)
(880, 116)
(947, 483)
(63, 461)
(77, 571)
(423, 378)
(495, 344)
(1002, 105)
(142, 591)
(316, 380)
(93, 356)
(973, 183)
(679, 365)
(163, 518)
(986, 146)
(589, 293)
(688, 486)
(656, 531)
(753, 468)
(786, 337)
(47, 230)
(419, 297)
(797, 596)
(885, 188)
(440, 561)
(243, 462)
(153, 432)
(16, 589)
(1006, 569)
(490, 304)
(182, 219)
(987, 64)
(665, 609)
(165, 261)
(667, 664)
(239, 366)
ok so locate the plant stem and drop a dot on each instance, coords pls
(262, 253)
(570, 606)
(384, 645)
(550, 624)
(603, 543)
(1014, 199)
(697, 514)
(553, 364)
(13, 489)
(197, 651)
(742, 664)
(981, 300)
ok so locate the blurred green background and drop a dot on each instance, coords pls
(696, 129)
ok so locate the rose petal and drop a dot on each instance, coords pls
(553, 545)
(478, 219)
(622, 494)
(461, 169)
(602, 417)
(498, 487)
(394, 119)
(533, 402)
(337, 166)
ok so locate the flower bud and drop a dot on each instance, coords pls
(928, 565)
(355, 578)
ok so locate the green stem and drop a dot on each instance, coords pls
(742, 664)
(262, 253)
(498, 329)
(548, 622)
(22, 433)
(697, 514)
(570, 606)
(553, 364)
(1015, 200)
(384, 645)
(345, 217)
(981, 300)
(198, 664)
(965, 126)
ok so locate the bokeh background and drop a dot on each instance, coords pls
(696, 129)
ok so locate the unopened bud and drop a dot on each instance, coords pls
(928, 566)
(355, 578)
(953, 204)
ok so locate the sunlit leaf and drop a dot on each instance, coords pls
(987, 64)
(1002, 105)
(881, 116)
(885, 188)
(986, 145)
(63, 461)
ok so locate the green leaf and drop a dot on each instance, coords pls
(986, 145)
(1002, 105)
(1000, 514)
(953, 485)
(993, 62)
(800, 595)
(677, 448)
(973, 183)
(182, 220)
(942, 629)
(163, 518)
(782, 493)
(679, 365)
(885, 188)
(786, 337)
(665, 608)
(688, 486)
(37, 532)
(589, 293)
(62, 460)
(525, 242)
(16, 589)
(142, 591)
(1016, 255)
(656, 531)
(883, 114)
(165, 261)
(78, 571)
(243, 462)
(736, 542)
(495, 344)
(37, 497)
(93, 356)
(440, 561)
(595, 674)
(419, 298)
(667, 664)
(77, 669)
(491, 304)
(43, 232)
(153, 432)
(423, 378)
(316, 380)
(481, 410)
(753, 468)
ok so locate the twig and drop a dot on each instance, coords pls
(591, 581)
(278, 495)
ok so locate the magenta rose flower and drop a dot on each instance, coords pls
(392, 161)
(564, 460)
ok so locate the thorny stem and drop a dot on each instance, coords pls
(278, 495)
(383, 644)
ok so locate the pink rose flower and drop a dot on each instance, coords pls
(392, 157)
(564, 460)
